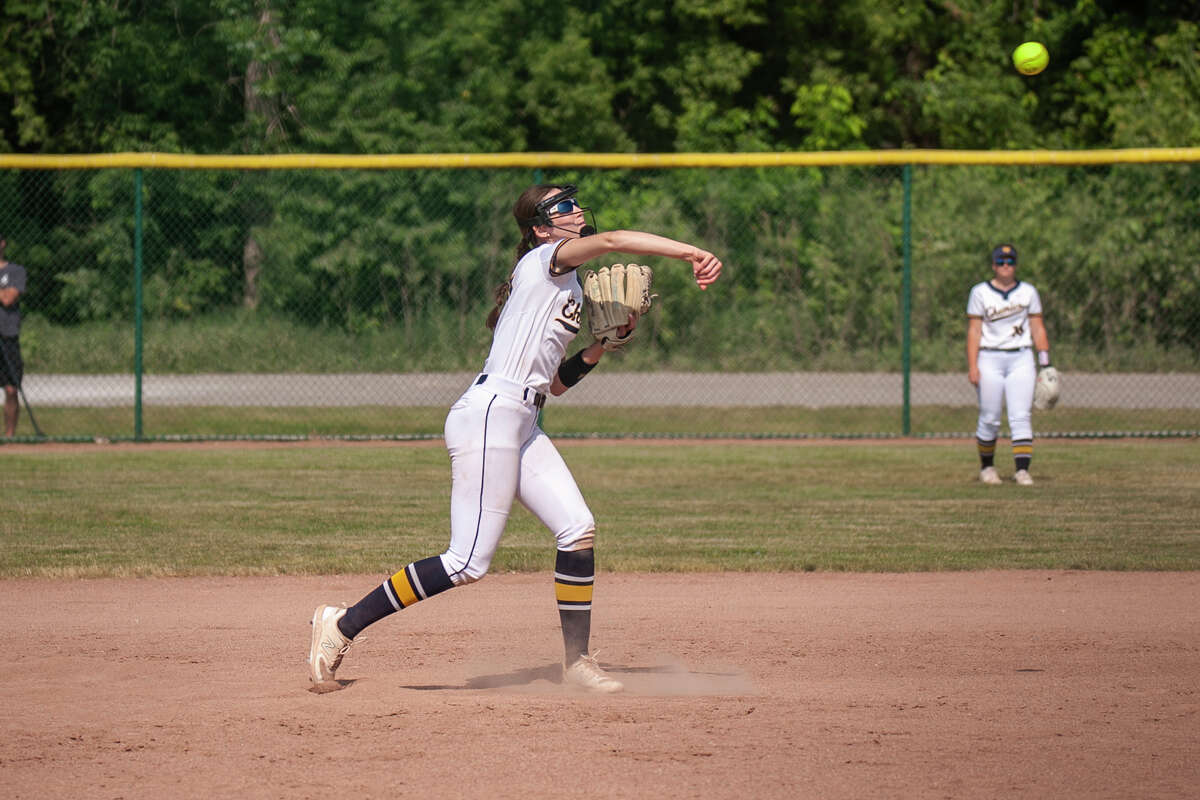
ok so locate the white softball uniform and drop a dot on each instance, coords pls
(498, 452)
(1005, 315)
(1007, 369)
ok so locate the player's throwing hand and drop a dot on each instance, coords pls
(706, 267)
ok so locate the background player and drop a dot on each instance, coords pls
(498, 453)
(1004, 320)
(12, 367)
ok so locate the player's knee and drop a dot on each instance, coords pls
(472, 574)
(577, 537)
(463, 571)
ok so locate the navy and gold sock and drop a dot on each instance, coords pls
(1022, 453)
(418, 581)
(574, 576)
(987, 452)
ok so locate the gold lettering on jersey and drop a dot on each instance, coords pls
(1018, 330)
(1000, 312)
(572, 310)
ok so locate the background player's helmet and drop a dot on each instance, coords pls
(1004, 254)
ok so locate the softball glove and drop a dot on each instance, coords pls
(610, 295)
(1047, 389)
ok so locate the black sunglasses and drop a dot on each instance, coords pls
(1005, 260)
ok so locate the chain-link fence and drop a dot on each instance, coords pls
(165, 302)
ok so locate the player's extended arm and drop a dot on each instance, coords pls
(974, 334)
(705, 266)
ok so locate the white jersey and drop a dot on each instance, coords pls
(1005, 315)
(537, 322)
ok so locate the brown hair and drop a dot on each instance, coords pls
(524, 211)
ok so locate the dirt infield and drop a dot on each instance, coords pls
(998, 684)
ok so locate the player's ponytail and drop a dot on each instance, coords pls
(527, 243)
(501, 293)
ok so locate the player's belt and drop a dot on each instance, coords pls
(1005, 349)
(514, 391)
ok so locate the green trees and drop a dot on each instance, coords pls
(363, 251)
(219, 76)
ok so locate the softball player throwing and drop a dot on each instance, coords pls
(499, 454)
(1004, 324)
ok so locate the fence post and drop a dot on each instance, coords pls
(906, 303)
(137, 303)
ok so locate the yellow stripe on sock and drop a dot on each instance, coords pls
(567, 593)
(403, 589)
(1023, 450)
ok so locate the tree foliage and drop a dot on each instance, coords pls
(214, 76)
(360, 250)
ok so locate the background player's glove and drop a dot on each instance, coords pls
(1047, 389)
(610, 295)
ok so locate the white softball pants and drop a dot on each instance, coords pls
(499, 454)
(1006, 377)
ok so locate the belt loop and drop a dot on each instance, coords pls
(507, 388)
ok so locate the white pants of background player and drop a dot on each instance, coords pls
(1006, 376)
(498, 454)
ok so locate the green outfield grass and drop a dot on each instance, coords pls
(579, 420)
(660, 506)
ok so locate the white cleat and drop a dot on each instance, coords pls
(587, 674)
(328, 644)
(1023, 477)
(988, 475)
